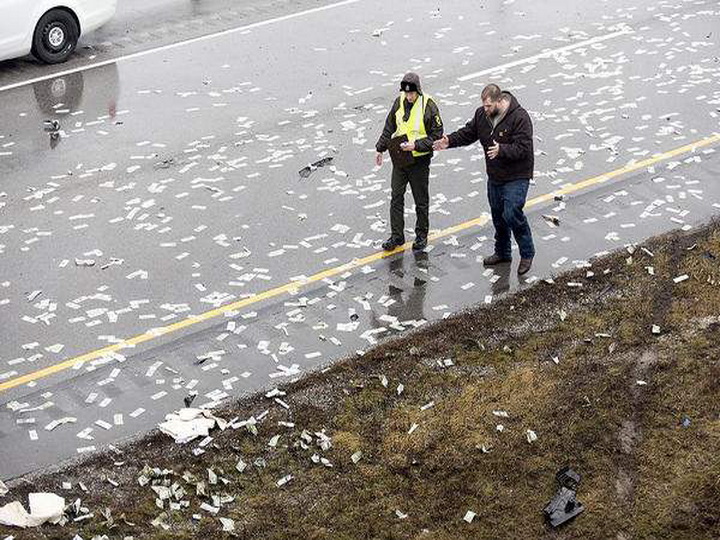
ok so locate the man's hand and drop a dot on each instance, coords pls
(441, 144)
(379, 159)
(493, 150)
(408, 146)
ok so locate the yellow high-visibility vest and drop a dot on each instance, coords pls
(414, 128)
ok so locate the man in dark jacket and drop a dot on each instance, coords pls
(505, 131)
(416, 116)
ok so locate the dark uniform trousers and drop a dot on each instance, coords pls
(418, 176)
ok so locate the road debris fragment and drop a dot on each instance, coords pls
(305, 172)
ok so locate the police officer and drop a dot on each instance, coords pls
(416, 116)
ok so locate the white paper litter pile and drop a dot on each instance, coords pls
(186, 425)
(44, 507)
(3, 489)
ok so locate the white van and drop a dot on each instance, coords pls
(49, 29)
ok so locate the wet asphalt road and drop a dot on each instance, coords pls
(140, 26)
(177, 174)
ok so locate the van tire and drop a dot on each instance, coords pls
(56, 36)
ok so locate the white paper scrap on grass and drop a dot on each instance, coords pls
(44, 507)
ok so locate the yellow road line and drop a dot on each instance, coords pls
(332, 272)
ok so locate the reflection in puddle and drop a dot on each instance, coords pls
(92, 93)
(407, 290)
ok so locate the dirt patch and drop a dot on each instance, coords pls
(628, 436)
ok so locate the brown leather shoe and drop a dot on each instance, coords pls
(494, 259)
(525, 266)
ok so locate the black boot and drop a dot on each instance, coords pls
(392, 243)
(420, 243)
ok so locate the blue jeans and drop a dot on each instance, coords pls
(507, 201)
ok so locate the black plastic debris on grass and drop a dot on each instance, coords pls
(564, 506)
(307, 171)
